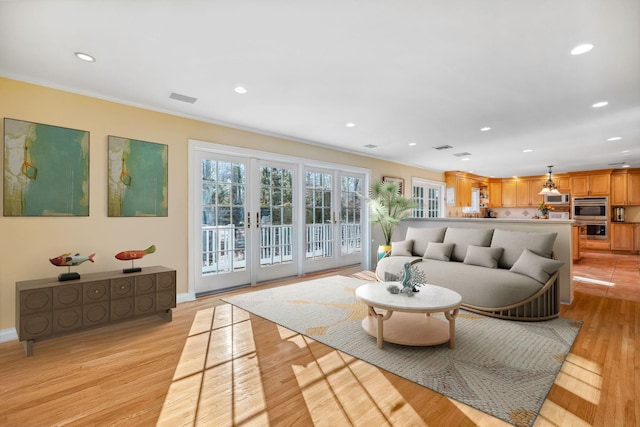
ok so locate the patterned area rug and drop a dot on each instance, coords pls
(503, 368)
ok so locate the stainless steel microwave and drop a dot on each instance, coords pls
(557, 199)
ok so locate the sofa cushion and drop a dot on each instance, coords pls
(439, 251)
(390, 269)
(463, 237)
(422, 236)
(483, 256)
(402, 248)
(514, 242)
(535, 266)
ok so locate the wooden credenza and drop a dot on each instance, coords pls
(46, 308)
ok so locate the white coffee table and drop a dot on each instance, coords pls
(407, 320)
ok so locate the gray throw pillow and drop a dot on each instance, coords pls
(514, 242)
(438, 251)
(402, 248)
(423, 235)
(535, 266)
(483, 256)
(463, 237)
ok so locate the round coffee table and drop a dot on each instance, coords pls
(401, 322)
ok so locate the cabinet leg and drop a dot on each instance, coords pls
(167, 315)
(28, 347)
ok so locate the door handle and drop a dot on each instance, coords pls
(335, 219)
(257, 219)
(248, 219)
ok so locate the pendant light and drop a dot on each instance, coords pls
(549, 186)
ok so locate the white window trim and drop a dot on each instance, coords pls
(416, 181)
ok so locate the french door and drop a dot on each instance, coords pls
(255, 219)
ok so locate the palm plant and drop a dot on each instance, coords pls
(388, 207)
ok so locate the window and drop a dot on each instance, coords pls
(428, 197)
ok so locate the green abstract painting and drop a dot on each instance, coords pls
(46, 170)
(138, 176)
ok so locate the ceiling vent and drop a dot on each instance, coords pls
(443, 147)
(183, 98)
(465, 154)
(371, 146)
(617, 164)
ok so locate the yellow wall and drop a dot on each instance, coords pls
(26, 243)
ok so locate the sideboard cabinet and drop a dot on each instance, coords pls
(46, 308)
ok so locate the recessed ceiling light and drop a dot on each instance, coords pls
(528, 150)
(615, 138)
(412, 144)
(85, 57)
(580, 49)
(626, 166)
(625, 152)
(465, 159)
(484, 129)
(350, 125)
(240, 89)
(600, 104)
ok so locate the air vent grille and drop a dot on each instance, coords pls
(443, 147)
(371, 146)
(183, 98)
(465, 154)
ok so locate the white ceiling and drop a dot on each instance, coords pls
(431, 72)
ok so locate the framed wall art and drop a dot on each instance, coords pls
(138, 178)
(46, 170)
(398, 181)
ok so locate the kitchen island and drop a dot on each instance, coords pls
(562, 249)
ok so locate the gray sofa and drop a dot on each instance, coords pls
(500, 273)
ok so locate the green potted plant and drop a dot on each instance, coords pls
(388, 207)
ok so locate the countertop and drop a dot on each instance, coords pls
(500, 219)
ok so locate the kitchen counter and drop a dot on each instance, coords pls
(500, 220)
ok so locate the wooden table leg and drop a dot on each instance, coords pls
(379, 329)
(451, 317)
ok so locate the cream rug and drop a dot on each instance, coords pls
(504, 368)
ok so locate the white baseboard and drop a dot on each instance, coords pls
(8, 335)
(185, 297)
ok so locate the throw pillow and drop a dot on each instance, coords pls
(402, 248)
(439, 251)
(423, 235)
(483, 256)
(463, 237)
(535, 266)
(514, 242)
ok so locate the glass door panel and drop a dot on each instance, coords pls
(351, 205)
(276, 221)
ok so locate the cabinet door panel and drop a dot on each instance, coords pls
(600, 185)
(122, 287)
(509, 191)
(35, 326)
(633, 184)
(122, 308)
(67, 319)
(67, 296)
(94, 314)
(167, 281)
(145, 284)
(522, 193)
(36, 300)
(145, 304)
(166, 300)
(96, 291)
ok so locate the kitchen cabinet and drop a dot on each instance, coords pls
(622, 237)
(527, 192)
(575, 243)
(535, 186)
(563, 184)
(495, 194)
(636, 237)
(625, 189)
(46, 308)
(509, 194)
(591, 185)
(458, 189)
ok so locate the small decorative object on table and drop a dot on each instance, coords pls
(68, 260)
(544, 210)
(393, 289)
(412, 278)
(133, 255)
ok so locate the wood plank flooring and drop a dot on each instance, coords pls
(214, 365)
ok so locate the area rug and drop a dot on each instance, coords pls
(504, 368)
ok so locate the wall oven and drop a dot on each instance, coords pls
(596, 230)
(591, 209)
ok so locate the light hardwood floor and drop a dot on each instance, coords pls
(209, 367)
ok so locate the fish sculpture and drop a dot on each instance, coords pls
(129, 255)
(68, 260)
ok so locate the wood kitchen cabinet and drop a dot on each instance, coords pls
(563, 184)
(495, 194)
(636, 237)
(625, 189)
(591, 185)
(509, 194)
(527, 192)
(622, 237)
(458, 189)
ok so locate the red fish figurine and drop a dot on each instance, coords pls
(68, 260)
(131, 255)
